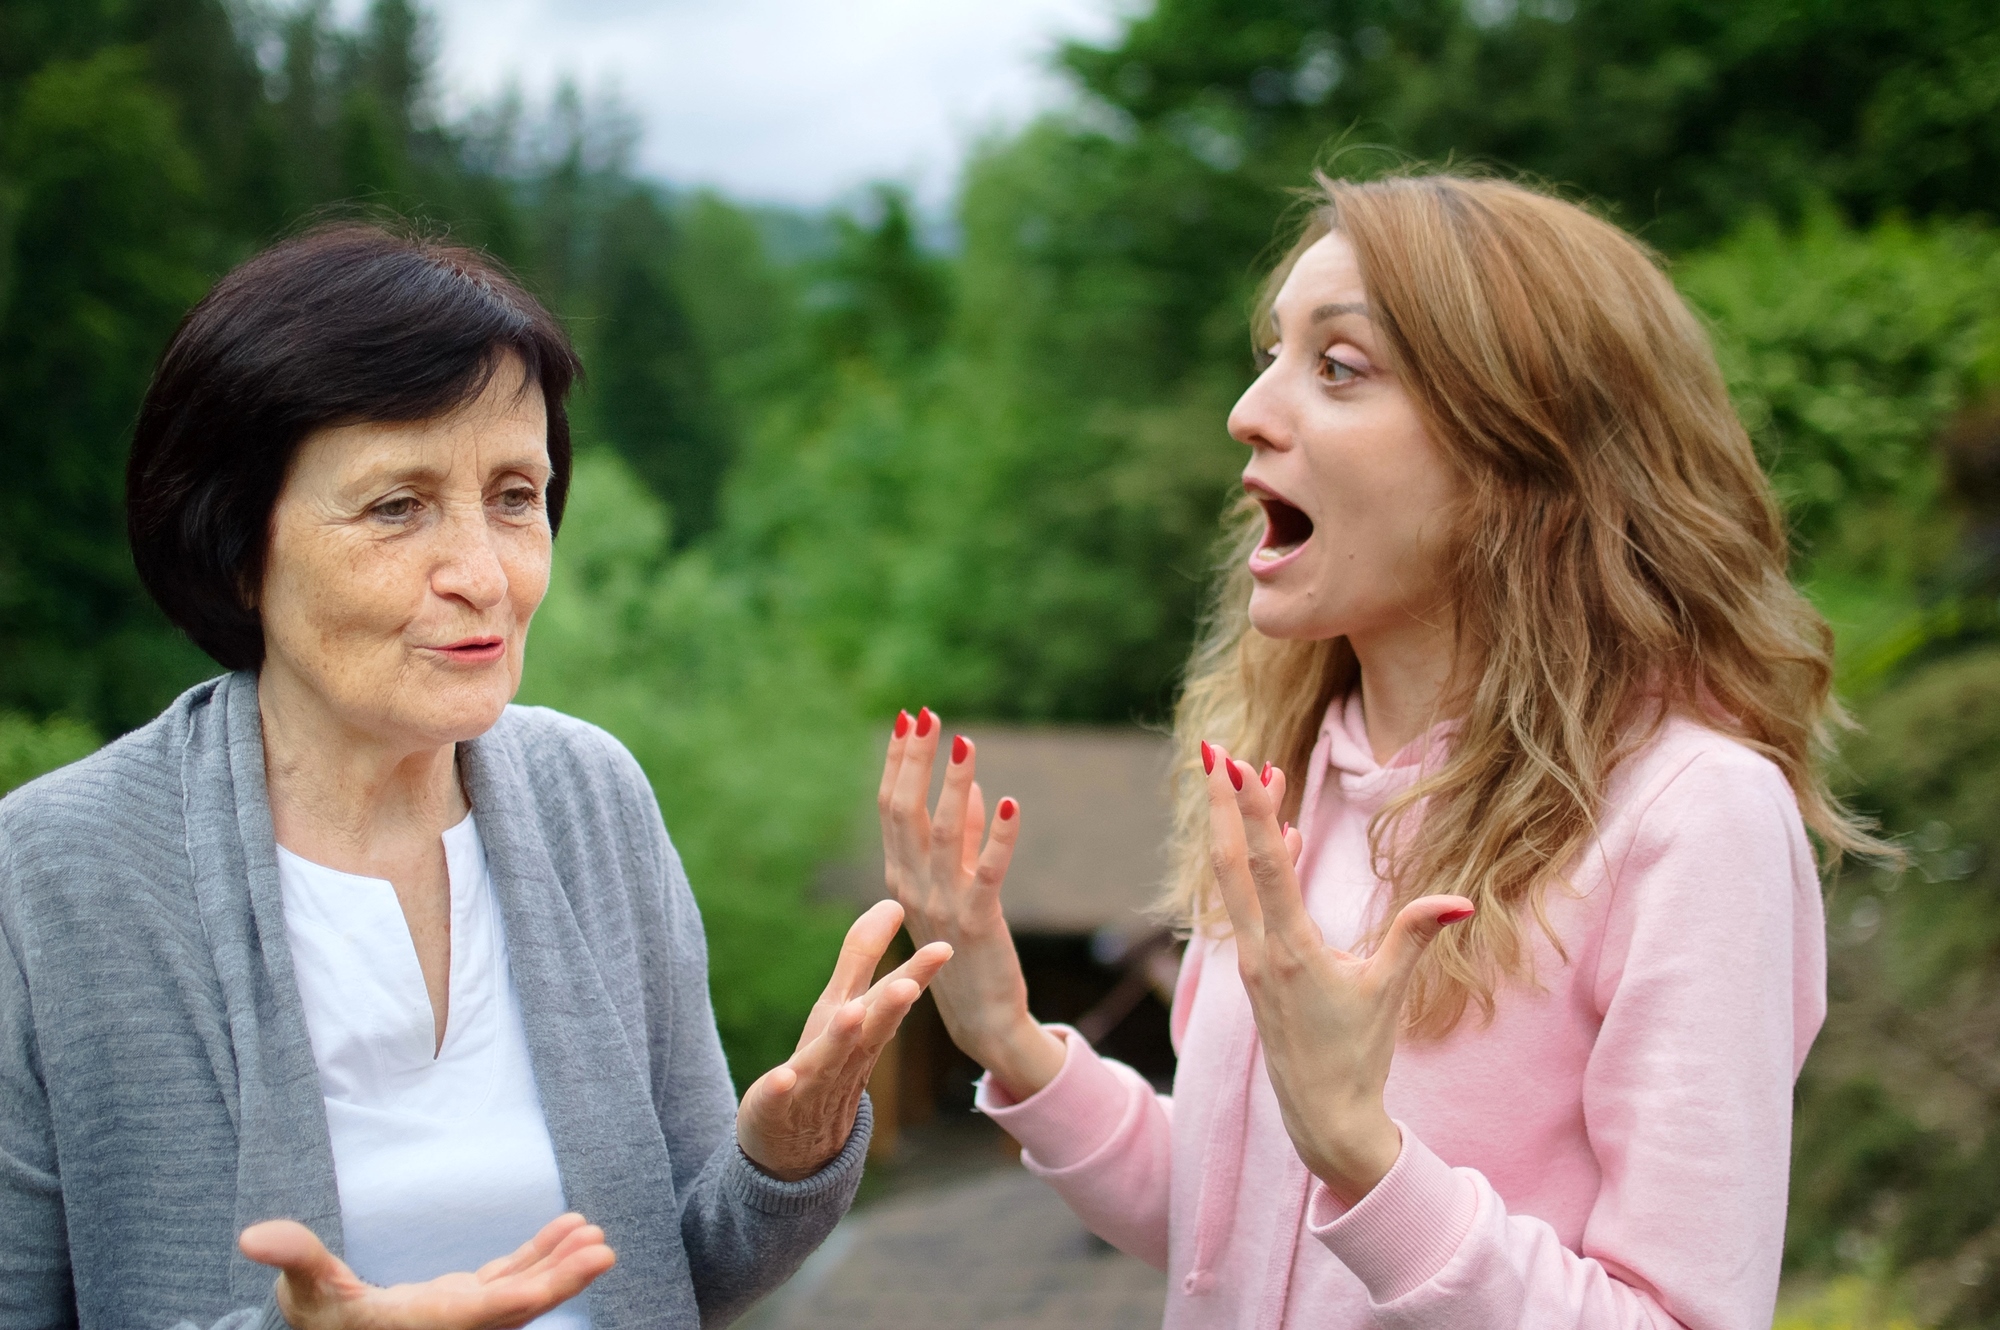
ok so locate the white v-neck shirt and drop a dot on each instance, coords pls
(441, 1154)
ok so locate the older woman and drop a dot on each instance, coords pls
(343, 956)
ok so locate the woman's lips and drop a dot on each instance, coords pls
(474, 650)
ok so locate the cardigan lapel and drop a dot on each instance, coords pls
(609, 1146)
(284, 1165)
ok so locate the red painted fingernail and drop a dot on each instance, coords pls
(1207, 758)
(1285, 830)
(1007, 810)
(1453, 916)
(924, 722)
(1266, 776)
(1236, 774)
(902, 723)
(959, 748)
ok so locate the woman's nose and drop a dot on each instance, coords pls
(1255, 421)
(470, 569)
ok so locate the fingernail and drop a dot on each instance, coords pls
(1266, 776)
(959, 748)
(902, 723)
(1007, 810)
(1453, 916)
(1207, 758)
(924, 722)
(1236, 774)
(1285, 830)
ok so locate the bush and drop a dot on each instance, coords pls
(29, 748)
(1896, 1166)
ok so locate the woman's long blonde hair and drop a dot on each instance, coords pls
(1618, 558)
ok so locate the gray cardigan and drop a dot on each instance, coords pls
(157, 1088)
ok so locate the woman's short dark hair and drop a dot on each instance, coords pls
(342, 325)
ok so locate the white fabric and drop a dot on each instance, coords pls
(442, 1155)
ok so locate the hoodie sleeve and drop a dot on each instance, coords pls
(1711, 985)
(1101, 1136)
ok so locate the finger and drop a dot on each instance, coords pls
(534, 1249)
(292, 1248)
(520, 1298)
(835, 1044)
(1416, 926)
(1295, 844)
(893, 761)
(998, 854)
(578, 1238)
(1272, 778)
(920, 969)
(897, 864)
(975, 828)
(861, 950)
(1279, 896)
(886, 1013)
(951, 823)
(1229, 853)
(909, 802)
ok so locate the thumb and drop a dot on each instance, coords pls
(290, 1246)
(1417, 925)
(310, 1273)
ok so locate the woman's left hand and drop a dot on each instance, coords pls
(796, 1117)
(1328, 1019)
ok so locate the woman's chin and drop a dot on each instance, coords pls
(1276, 613)
(457, 709)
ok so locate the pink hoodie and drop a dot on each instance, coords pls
(1611, 1151)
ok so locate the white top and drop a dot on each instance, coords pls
(443, 1159)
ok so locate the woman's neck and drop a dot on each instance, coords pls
(341, 796)
(1405, 673)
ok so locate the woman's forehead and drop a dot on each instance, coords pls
(1327, 274)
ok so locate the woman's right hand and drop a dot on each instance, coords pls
(316, 1290)
(949, 888)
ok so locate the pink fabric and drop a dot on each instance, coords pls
(1611, 1151)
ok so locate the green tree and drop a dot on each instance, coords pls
(650, 395)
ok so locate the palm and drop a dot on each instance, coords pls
(317, 1291)
(796, 1117)
(946, 867)
(1328, 1020)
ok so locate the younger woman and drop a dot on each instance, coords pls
(1504, 1032)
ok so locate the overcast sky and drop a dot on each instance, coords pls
(781, 100)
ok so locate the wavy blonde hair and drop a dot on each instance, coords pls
(1618, 558)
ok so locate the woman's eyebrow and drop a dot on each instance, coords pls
(1325, 312)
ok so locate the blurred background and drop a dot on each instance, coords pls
(911, 330)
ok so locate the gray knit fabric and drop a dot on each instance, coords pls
(157, 1088)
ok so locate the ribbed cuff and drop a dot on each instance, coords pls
(1400, 1235)
(273, 1319)
(833, 1184)
(1072, 1117)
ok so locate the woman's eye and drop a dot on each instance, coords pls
(519, 499)
(1337, 371)
(395, 510)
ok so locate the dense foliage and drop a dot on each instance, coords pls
(830, 470)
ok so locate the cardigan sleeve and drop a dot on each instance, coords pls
(1711, 986)
(744, 1231)
(34, 1260)
(35, 1289)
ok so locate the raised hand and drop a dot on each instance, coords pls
(316, 1290)
(949, 884)
(1328, 1019)
(796, 1117)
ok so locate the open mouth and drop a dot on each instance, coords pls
(1285, 529)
